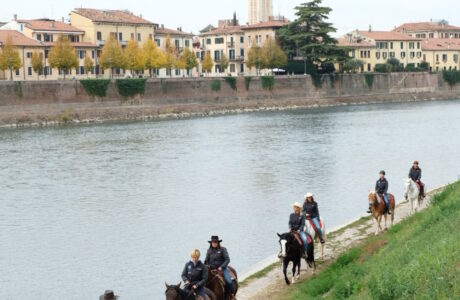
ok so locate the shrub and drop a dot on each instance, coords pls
(327, 68)
(353, 65)
(215, 85)
(411, 68)
(424, 66)
(451, 77)
(248, 82)
(383, 68)
(317, 79)
(96, 87)
(18, 89)
(131, 87)
(298, 67)
(395, 64)
(164, 86)
(369, 80)
(231, 81)
(268, 82)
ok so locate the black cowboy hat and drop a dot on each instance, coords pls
(108, 295)
(215, 238)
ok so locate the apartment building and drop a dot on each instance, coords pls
(259, 11)
(430, 30)
(441, 54)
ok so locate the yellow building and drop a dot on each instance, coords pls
(376, 47)
(441, 54)
(430, 30)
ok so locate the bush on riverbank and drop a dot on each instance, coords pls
(268, 82)
(231, 82)
(451, 77)
(215, 85)
(131, 87)
(417, 258)
(96, 87)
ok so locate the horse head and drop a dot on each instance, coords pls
(408, 184)
(283, 241)
(173, 292)
(373, 198)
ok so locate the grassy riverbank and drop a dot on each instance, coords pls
(419, 258)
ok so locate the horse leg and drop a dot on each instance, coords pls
(298, 269)
(294, 266)
(379, 223)
(285, 265)
(393, 215)
(385, 216)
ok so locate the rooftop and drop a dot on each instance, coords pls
(426, 26)
(386, 36)
(441, 44)
(49, 25)
(77, 44)
(111, 16)
(267, 24)
(17, 38)
(224, 30)
(166, 31)
(350, 41)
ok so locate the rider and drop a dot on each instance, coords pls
(381, 188)
(310, 209)
(195, 274)
(297, 225)
(217, 258)
(415, 174)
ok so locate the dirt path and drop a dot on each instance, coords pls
(272, 285)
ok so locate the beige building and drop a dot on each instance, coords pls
(259, 11)
(441, 54)
(430, 30)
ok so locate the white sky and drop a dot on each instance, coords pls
(194, 15)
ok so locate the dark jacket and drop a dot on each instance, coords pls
(311, 208)
(415, 174)
(381, 187)
(217, 258)
(296, 222)
(195, 274)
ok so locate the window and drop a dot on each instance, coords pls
(93, 54)
(39, 37)
(81, 54)
(168, 72)
(242, 52)
(231, 54)
(17, 72)
(419, 54)
(198, 55)
(368, 67)
(218, 41)
(177, 71)
(384, 55)
(29, 71)
(216, 55)
(424, 57)
(377, 55)
(412, 54)
(431, 35)
(217, 69)
(403, 54)
(242, 68)
(139, 38)
(456, 57)
(444, 57)
(411, 45)
(437, 58)
(418, 45)
(208, 41)
(46, 53)
(120, 36)
(391, 45)
(47, 37)
(392, 54)
(402, 45)
(158, 42)
(177, 44)
(241, 39)
(29, 54)
(187, 43)
(232, 68)
(99, 35)
(249, 41)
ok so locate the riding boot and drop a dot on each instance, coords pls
(322, 239)
(369, 210)
(422, 190)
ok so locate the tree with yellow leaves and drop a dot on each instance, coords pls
(273, 55)
(171, 60)
(188, 59)
(207, 63)
(223, 62)
(134, 57)
(88, 64)
(154, 57)
(112, 55)
(9, 57)
(37, 63)
(63, 56)
(256, 58)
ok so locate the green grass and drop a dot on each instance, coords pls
(418, 258)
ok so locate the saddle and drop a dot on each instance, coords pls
(297, 237)
(391, 200)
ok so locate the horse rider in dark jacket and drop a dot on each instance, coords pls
(415, 173)
(381, 188)
(195, 274)
(297, 225)
(217, 258)
(310, 209)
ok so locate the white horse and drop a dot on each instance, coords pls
(312, 232)
(412, 194)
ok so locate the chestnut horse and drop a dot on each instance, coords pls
(216, 283)
(174, 292)
(377, 206)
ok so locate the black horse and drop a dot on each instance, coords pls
(174, 292)
(292, 251)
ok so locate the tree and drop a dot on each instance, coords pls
(207, 63)
(88, 64)
(352, 65)
(170, 55)
(274, 56)
(256, 58)
(234, 20)
(63, 56)
(223, 62)
(188, 59)
(9, 57)
(112, 55)
(134, 57)
(37, 63)
(395, 64)
(154, 57)
(309, 35)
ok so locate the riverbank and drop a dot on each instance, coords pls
(268, 282)
(47, 103)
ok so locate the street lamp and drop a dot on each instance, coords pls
(10, 60)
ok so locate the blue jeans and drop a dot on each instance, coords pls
(318, 226)
(303, 237)
(387, 200)
(228, 279)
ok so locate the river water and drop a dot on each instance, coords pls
(120, 206)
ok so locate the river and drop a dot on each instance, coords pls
(121, 205)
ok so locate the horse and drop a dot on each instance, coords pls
(310, 229)
(216, 283)
(377, 206)
(291, 251)
(174, 292)
(412, 194)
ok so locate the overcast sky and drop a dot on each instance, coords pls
(194, 15)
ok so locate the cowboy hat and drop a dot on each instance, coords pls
(108, 295)
(297, 204)
(308, 195)
(215, 238)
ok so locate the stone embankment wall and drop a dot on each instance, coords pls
(47, 102)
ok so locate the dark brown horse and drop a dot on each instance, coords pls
(216, 283)
(377, 206)
(174, 292)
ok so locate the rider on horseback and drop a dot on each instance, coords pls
(195, 274)
(310, 209)
(415, 174)
(381, 188)
(297, 225)
(217, 258)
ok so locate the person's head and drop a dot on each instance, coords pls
(415, 165)
(297, 207)
(382, 174)
(195, 255)
(309, 197)
(108, 295)
(215, 242)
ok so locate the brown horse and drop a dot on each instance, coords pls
(216, 283)
(174, 292)
(377, 206)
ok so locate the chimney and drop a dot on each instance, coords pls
(370, 28)
(15, 17)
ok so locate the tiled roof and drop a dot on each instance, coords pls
(111, 16)
(17, 38)
(77, 45)
(224, 30)
(50, 25)
(387, 36)
(425, 26)
(441, 44)
(165, 31)
(267, 24)
(347, 41)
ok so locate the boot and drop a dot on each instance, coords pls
(321, 239)
(369, 210)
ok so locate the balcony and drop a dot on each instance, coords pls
(231, 44)
(100, 43)
(237, 58)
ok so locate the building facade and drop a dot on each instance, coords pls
(441, 54)
(430, 30)
(259, 11)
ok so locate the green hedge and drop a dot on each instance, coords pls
(215, 85)
(317, 79)
(451, 77)
(268, 82)
(231, 81)
(131, 87)
(96, 87)
(383, 68)
(248, 82)
(369, 79)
